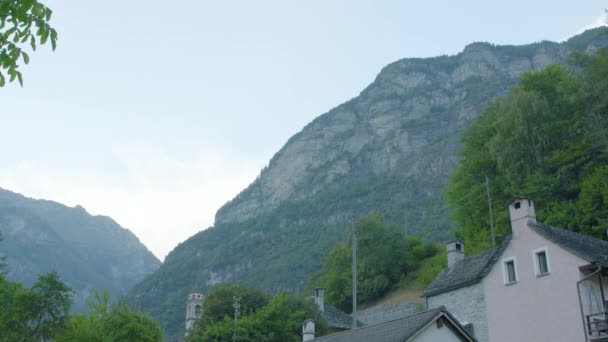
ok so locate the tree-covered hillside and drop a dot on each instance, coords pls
(548, 139)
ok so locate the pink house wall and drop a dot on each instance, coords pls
(544, 308)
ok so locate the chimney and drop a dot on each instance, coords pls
(308, 330)
(521, 211)
(455, 251)
(320, 298)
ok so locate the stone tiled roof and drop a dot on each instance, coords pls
(337, 318)
(387, 312)
(398, 330)
(583, 246)
(467, 271)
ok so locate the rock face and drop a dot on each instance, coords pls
(89, 252)
(389, 149)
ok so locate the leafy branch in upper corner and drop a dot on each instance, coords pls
(22, 22)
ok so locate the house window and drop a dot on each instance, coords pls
(510, 271)
(541, 261)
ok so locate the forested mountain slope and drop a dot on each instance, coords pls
(89, 252)
(389, 149)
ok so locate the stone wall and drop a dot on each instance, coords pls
(468, 305)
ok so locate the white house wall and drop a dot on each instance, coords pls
(434, 334)
(467, 305)
(536, 308)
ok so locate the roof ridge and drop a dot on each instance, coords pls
(497, 252)
(467, 271)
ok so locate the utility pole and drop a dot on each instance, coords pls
(236, 305)
(354, 277)
(490, 208)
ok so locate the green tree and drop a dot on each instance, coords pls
(39, 313)
(281, 321)
(384, 258)
(219, 300)
(111, 322)
(22, 22)
(545, 139)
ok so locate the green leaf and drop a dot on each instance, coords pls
(9, 32)
(25, 35)
(2, 80)
(26, 58)
(20, 78)
(44, 37)
(53, 39)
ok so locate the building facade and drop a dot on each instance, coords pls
(541, 284)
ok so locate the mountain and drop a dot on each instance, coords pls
(89, 252)
(389, 149)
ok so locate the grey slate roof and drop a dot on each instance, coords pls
(337, 318)
(387, 312)
(583, 246)
(467, 271)
(398, 330)
(472, 269)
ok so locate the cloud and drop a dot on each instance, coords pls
(161, 198)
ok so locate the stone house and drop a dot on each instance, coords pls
(541, 283)
(430, 326)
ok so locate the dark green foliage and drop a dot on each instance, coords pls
(218, 303)
(111, 322)
(545, 139)
(384, 257)
(22, 22)
(280, 320)
(39, 313)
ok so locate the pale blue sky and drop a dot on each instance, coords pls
(157, 112)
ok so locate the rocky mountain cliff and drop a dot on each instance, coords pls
(390, 149)
(89, 252)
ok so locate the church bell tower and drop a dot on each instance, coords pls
(194, 309)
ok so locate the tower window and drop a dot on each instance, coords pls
(458, 247)
(517, 205)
